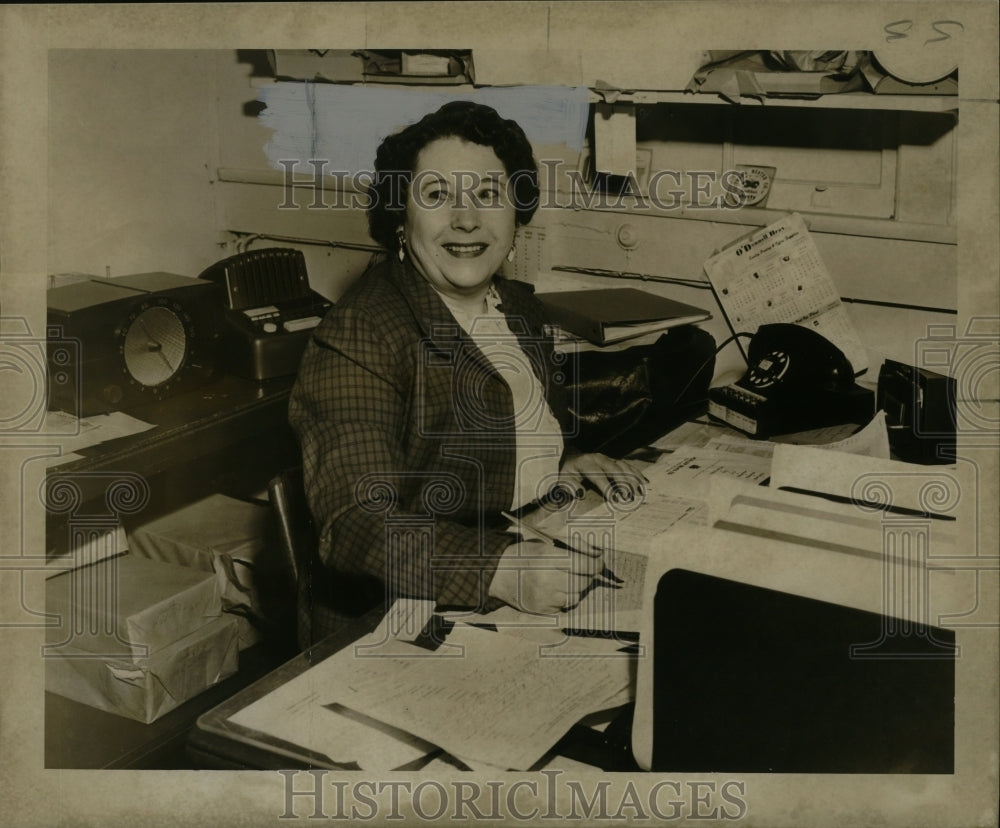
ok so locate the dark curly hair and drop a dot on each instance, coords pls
(476, 123)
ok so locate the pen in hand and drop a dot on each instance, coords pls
(536, 534)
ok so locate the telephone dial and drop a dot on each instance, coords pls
(796, 380)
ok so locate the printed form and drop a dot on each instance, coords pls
(775, 274)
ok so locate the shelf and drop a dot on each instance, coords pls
(877, 228)
(844, 100)
(415, 86)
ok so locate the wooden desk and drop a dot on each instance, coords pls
(228, 436)
(217, 743)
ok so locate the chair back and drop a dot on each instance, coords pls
(325, 600)
(296, 530)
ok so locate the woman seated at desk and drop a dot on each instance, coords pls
(429, 400)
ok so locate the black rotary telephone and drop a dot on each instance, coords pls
(796, 380)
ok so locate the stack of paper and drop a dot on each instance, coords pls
(486, 697)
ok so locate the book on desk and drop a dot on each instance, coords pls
(612, 315)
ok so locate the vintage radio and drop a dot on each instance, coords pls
(270, 311)
(140, 338)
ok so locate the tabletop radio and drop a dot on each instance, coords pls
(270, 311)
(141, 338)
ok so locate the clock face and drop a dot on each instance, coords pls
(154, 343)
(139, 339)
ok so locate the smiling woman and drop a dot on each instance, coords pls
(460, 223)
(430, 399)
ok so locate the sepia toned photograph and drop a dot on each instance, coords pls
(500, 413)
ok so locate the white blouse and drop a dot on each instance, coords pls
(539, 436)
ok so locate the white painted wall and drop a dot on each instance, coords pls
(907, 258)
(133, 150)
(137, 140)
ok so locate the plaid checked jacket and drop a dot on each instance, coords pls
(407, 435)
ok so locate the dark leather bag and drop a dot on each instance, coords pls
(622, 400)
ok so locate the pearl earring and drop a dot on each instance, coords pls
(511, 253)
(401, 238)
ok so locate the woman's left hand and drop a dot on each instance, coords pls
(614, 479)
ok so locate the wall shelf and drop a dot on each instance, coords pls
(843, 100)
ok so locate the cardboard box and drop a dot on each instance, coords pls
(219, 534)
(146, 688)
(128, 606)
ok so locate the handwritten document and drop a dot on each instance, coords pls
(661, 511)
(498, 700)
(501, 701)
(606, 607)
(678, 489)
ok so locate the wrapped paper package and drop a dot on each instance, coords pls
(222, 535)
(146, 688)
(127, 607)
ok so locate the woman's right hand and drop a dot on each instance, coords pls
(537, 577)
